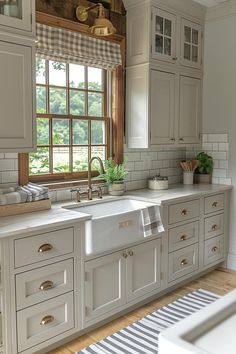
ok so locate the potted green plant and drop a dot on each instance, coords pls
(205, 168)
(114, 175)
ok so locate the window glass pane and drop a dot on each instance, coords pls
(39, 161)
(159, 24)
(80, 132)
(99, 151)
(187, 51)
(167, 46)
(95, 108)
(159, 44)
(195, 54)
(95, 79)
(61, 160)
(61, 131)
(80, 159)
(42, 131)
(195, 36)
(77, 78)
(187, 34)
(98, 132)
(168, 30)
(57, 101)
(41, 99)
(77, 103)
(57, 73)
(40, 71)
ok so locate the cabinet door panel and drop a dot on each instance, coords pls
(162, 107)
(190, 110)
(104, 285)
(191, 44)
(16, 97)
(17, 16)
(143, 269)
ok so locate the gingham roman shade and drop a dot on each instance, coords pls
(72, 47)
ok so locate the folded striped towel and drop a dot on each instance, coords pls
(28, 193)
(151, 220)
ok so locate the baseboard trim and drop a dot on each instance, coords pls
(231, 261)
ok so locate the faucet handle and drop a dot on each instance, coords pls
(77, 190)
(100, 192)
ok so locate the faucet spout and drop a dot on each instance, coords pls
(90, 170)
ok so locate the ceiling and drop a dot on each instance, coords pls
(209, 3)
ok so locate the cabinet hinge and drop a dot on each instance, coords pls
(151, 16)
(161, 248)
(202, 34)
(31, 19)
(150, 135)
(85, 276)
(86, 311)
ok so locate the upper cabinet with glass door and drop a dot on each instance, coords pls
(163, 35)
(191, 44)
(17, 16)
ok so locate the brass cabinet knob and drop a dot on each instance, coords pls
(181, 139)
(184, 262)
(172, 139)
(183, 238)
(131, 253)
(47, 320)
(214, 249)
(46, 285)
(174, 58)
(214, 204)
(45, 248)
(125, 255)
(184, 212)
(214, 227)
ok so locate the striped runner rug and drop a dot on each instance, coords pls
(141, 337)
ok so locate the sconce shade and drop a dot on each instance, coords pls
(102, 26)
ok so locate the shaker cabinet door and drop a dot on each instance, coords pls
(16, 99)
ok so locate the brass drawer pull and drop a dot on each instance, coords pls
(45, 248)
(214, 227)
(184, 212)
(47, 320)
(46, 285)
(214, 205)
(184, 262)
(125, 255)
(131, 253)
(183, 238)
(214, 249)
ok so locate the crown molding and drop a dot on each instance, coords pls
(224, 10)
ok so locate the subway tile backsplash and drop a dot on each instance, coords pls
(143, 164)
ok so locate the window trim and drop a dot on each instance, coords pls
(117, 111)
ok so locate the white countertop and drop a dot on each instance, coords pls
(57, 216)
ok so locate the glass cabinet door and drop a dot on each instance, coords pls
(191, 44)
(16, 14)
(163, 35)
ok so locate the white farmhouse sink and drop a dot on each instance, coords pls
(114, 223)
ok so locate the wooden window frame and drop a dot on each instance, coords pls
(118, 91)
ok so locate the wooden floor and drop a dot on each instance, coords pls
(220, 281)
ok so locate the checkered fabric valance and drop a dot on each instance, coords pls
(63, 45)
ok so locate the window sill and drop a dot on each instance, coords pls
(71, 184)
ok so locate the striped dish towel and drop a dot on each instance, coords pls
(151, 220)
(28, 193)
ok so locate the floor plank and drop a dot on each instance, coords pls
(220, 281)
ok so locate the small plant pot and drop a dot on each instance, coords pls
(202, 178)
(116, 188)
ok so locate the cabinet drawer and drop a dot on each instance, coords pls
(214, 226)
(41, 322)
(44, 283)
(182, 236)
(45, 246)
(214, 250)
(183, 211)
(183, 262)
(214, 203)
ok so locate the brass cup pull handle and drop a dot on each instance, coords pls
(184, 212)
(131, 253)
(174, 58)
(214, 249)
(45, 248)
(47, 320)
(181, 139)
(214, 205)
(183, 238)
(125, 255)
(184, 262)
(214, 227)
(46, 285)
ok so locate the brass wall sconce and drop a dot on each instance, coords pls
(102, 26)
